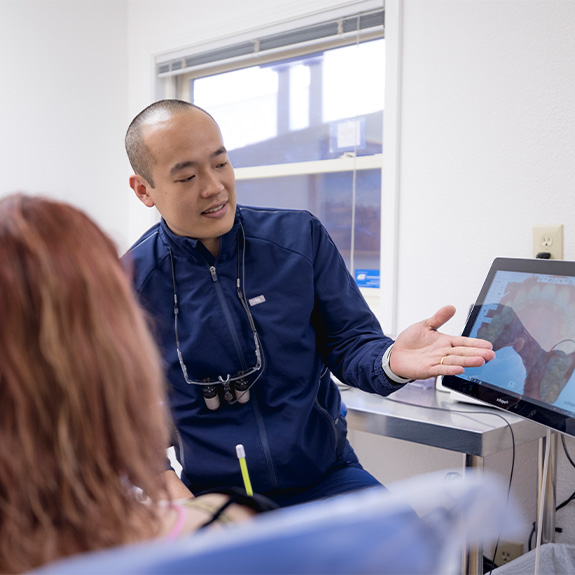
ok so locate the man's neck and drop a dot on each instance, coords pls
(212, 245)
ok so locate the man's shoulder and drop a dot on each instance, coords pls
(145, 246)
(277, 222)
(145, 255)
(263, 213)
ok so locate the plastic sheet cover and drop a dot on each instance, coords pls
(418, 526)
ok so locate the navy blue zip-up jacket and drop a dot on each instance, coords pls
(311, 319)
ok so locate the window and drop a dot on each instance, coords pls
(303, 123)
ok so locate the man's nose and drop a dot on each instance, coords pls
(211, 185)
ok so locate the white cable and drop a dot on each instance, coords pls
(354, 174)
(542, 498)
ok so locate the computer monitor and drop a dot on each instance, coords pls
(526, 309)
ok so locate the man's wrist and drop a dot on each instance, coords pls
(394, 378)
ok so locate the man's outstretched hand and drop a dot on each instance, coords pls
(420, 351)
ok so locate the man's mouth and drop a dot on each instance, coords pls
(215, 209)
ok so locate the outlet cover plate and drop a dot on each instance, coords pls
(548, 239)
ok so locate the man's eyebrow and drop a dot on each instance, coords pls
(181, 166)
(190, 163)
(219, 152)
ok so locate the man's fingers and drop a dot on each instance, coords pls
(440, 317)
(470, 342)
(456, 359)
(484, 351)
(462, 360)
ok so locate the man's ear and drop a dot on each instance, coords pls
(141, 187)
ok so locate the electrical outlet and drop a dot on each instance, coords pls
(548, 239)
(507, 551)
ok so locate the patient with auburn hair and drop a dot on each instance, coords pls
(83, 426)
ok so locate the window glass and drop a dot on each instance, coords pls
(330, 197)
(243, 102)
(313, 107)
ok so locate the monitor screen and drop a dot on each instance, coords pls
(526, 309)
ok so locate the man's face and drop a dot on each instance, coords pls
(194, 183)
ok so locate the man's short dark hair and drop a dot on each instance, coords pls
(140, 156)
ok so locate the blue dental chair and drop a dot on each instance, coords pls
(374, 531)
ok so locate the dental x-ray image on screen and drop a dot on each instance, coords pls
(526, 309)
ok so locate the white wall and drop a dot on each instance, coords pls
(487, 141)
(63, 112)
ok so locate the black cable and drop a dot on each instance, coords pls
(257, 502)
(469, 413)
(530, 541)
(488, 564)
(568, 500)
(566, 452)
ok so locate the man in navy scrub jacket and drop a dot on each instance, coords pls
(254, 309)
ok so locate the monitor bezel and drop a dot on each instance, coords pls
(517, 404)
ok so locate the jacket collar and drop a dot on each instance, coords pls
(183, 246)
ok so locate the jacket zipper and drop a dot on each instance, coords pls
(227, 315)
(265, 443)
(259, 419)
(327, 416)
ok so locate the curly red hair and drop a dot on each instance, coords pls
(84, 419)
